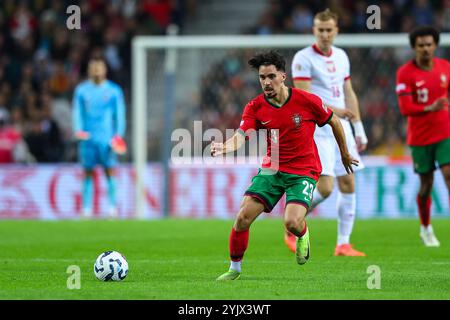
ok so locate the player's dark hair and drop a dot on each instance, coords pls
(94, 58)
(268, 58)
(97, 58)
(421, 31)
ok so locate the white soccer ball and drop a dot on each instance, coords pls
(111, 265)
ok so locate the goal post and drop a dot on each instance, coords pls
(155, 62)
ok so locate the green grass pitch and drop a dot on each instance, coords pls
(180, 259)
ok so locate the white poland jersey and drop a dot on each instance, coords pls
(327, 74)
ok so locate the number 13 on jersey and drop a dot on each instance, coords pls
(422, 95)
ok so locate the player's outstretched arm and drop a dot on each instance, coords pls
(339, 135)
(231, 145)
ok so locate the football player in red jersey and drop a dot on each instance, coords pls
(422, 89)
(292, 164)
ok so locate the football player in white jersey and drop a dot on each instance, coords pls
(324, 70)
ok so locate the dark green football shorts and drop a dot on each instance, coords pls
(425, 157)
(268, 187)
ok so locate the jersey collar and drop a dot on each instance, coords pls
(317, 50)
(278, 106)
(414, 62)
(98, 85)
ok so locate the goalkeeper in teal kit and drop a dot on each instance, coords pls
(99, 126)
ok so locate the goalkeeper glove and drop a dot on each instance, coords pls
(119, 145)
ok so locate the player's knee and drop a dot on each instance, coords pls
(347, 185)
(242, 223)
(292, 225)
(347, 188)
(325, 192)
(244, 218)
(446, 173)
(425, 188)
(426, 184)
(447, 179)
(425, 191)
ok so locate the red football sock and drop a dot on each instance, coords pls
(238, 244)
(424, 210)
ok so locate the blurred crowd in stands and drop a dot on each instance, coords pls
(41, 61)
(291, 16)
(372, 70)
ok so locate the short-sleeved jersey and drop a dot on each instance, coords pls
(327, 74)
(417, 88)
(99, 110)
(290, 140)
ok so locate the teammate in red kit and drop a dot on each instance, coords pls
(292, 164)
(422, 89)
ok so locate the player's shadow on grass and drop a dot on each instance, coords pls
(265, 278)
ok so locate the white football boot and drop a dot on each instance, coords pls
(428, 237)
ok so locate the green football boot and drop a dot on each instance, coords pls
(229, 275)
(302, 251)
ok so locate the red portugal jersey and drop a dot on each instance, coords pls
(290, 139)
(416, 89)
